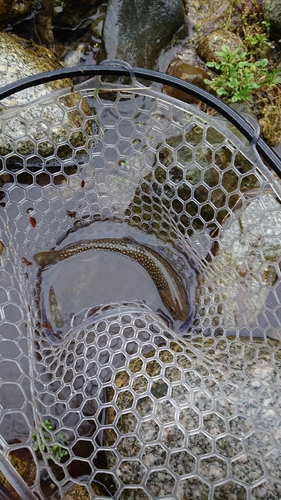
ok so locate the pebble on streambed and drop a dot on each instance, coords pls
(196, 409)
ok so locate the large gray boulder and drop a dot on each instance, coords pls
(137, 31)
(272, 14)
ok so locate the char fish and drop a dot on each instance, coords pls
(169, 284)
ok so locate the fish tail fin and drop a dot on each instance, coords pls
(44, 259)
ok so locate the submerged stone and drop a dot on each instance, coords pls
(188, 73)
(137, 31)
(211, 43)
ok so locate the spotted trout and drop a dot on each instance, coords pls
(169, 285)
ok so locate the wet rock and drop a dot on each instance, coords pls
(20, 58)
(81, 52)
(272, 14)
(85, 49)
(97, 22)
(137, 31)
(72, 14)
(12, 9)
(211, 43)
(81, 492)
(43, 21)
(209, 15)
(188, 73)
(187, 53)
(22, 461)
(270, 125)
(75, 55)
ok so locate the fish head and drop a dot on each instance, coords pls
(179, 310)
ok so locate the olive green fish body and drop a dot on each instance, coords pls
(169, 285)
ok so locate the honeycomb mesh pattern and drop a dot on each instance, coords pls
(133, 409)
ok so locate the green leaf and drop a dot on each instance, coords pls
(240, 74)
(221, 91)
(263, 62)
(213, 65)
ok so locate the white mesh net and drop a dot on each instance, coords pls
(104, 394)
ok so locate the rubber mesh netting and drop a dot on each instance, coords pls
(109, 400)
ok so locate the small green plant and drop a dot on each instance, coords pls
(240, 75)
(176, 40)
(55, 449)
(257, 42)
(125, 165)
